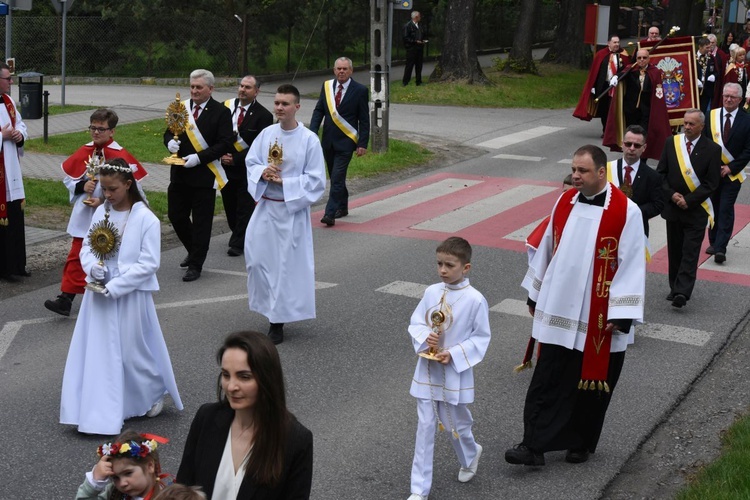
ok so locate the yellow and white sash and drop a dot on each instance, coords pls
(200, 144)
(613, 178)
(239, 143)
(342, 124)
(726, 156)
(688, 174)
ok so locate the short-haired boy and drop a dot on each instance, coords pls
(452, 319)
(85, 196)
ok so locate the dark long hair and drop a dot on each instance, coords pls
(271, 416)
(125, 174)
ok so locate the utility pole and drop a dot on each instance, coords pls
(381, 14)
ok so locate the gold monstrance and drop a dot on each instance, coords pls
(177, 123)
(104, 239)
(275, 154)
(440, 319)
(92, 168)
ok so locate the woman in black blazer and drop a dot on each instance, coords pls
(248, 445)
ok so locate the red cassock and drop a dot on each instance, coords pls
(586, 108)
(75, 165)
(658, 122)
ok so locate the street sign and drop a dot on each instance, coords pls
(58, 4)
(403, 4)
(3, 9)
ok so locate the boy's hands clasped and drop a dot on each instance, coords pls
(444, 357)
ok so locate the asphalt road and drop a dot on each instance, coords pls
(348, 372)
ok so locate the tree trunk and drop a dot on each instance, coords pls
(458, 61)
(520, 59)
(569, 47)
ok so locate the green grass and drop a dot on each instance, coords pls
(727, 478)
(56, 109)
(558, 87)
(143, 140)
(400, 155)
(42, 194)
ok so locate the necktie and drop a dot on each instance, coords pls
(727, 126)
(689, 147)
(196, 111)
(338, 94)
(241, 118)
(628, 176)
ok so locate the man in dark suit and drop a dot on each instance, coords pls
(734, 139)
(635, 178)
(414, 40)
(249, 117)
(344, 105)
(708, 74)
(689, 167)
(191, 194)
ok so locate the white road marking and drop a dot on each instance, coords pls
(738, 255)
(566, 161)
(657, 331)
(519, 157)
(408, 199)
(10, 329)
(319, 285)
(404, 288)
(478, 211)
(524, 232)
(525, 135)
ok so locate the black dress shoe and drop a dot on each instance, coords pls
(328, 221)
(520, 454)
(184, 262)
(710, 250)
(670, 297)
(577, 456)
(61, 305)
(276, 333)
(234, 252)
(340, 213)
(679, 300)
(191, 275)
(720, 257)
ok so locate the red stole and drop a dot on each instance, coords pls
(596, 350)
(75, 165)
(3, 198)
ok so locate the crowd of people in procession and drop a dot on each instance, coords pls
(584, 310)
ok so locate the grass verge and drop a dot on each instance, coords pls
(557, 87)
(727, 477)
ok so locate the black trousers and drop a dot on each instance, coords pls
(414, 56)
(239, 207)
(559, 416)
(13, 241)
(684, 241)
(191, 212)
(337, 164)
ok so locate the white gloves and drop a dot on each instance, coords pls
(700, 84)
(191, 160)
(593, 90)
(98, 272)
(613, 81)
(711, 78)
(173, 146)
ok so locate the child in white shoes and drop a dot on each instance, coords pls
(450, 330)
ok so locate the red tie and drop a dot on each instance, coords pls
(628, 177)
(242, 117)
(338, 95)
(727, 126)
(196, 111)
(689, 147)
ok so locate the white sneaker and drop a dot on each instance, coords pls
(415, 496)
(156, 409)
(466, 474)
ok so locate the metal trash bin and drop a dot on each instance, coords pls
(30, 95)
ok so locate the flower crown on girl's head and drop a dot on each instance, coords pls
(106, 166)
(131, 449)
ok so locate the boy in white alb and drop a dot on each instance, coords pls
(452, 323)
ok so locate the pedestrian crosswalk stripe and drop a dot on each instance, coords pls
(519, 157)
(657, 331)
(476, 212)
(408, 199)
(404, 288)
(525, 135)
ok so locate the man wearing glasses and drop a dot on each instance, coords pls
(635, 178)
(730, 129)
(643, 103)
(85, 196)
(12, 239)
